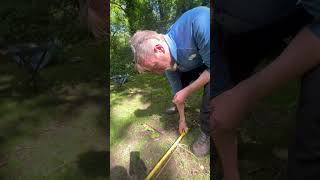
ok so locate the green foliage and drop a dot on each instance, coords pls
(140, 15)
(40, 21)
(121, 61)
(185, 5)
(129, 16)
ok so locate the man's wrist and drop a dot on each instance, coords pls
(182, 120)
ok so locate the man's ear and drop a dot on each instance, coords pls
(158, 48)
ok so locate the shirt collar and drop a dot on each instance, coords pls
(172, 47)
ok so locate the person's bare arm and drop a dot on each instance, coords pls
(202, 80)
(180, 97)
(301, 55)
(230, 107)
(182, 118)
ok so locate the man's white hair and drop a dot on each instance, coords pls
(141, 44)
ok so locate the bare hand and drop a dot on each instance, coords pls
(180, 97)
(182, 126)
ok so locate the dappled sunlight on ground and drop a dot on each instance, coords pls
(127, 107)
(139, 125)
(59, 130)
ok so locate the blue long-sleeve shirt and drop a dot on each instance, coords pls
(189, 43)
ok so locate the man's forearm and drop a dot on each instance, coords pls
(202, 80)
(180, 108)
(301, 55)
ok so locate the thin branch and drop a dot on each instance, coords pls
(2, 164)
(188, 151)
(118, 5)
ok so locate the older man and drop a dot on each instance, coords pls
(183, 54)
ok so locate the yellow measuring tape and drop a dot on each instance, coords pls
(166, 155)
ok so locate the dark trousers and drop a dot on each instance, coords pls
(234, 59)
(186, 79)
(304, 154)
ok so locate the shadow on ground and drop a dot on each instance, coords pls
(139, 125)
(43, 132)
(82, 64)
(94, 163)
(137, 168)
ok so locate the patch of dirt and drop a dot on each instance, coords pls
(3, 160)
(181, 164)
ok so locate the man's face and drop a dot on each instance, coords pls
(155, 65)
(158, 62)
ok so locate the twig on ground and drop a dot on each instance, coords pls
(181, 146)
(48, 129)
(58, 167)
(156, 129)
(195, 123)
(2, 164)
(180, 162)
(187, 150)
(21, 148)
(253, 171)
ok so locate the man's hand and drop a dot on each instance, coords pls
(182, 126)
(182, 118)
(180, 96)
(202, 80)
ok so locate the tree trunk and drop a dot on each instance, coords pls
(83, 12)
(97, 17)
(94, 14)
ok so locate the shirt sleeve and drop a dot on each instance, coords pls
(174, 80)
(313, 7)
(315, 28)
(201, 34)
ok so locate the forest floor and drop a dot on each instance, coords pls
(57, 131)
(141, 133)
